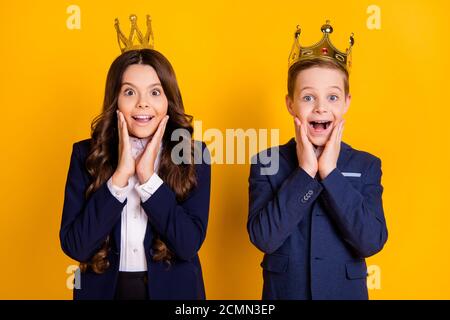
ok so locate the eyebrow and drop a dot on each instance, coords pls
(336, 87)
(149, 86)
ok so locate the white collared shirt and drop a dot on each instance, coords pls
(134, 219)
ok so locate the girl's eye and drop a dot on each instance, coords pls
(334, 97)
(128, 92)
(156, 92)
(308, 98)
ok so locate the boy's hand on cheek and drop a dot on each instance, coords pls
(328, 158)
(306, 156)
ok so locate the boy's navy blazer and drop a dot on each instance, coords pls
(316, 233)
(182, 225)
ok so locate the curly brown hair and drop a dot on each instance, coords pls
(103, 156)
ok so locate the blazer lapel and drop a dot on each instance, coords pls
(288, 152)
(116, 234)
(344, 155)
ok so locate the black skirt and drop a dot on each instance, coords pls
(132, 286)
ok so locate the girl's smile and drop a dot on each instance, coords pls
(142, 120)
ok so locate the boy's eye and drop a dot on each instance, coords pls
(308, 98)
(334, 97)
(156, 92)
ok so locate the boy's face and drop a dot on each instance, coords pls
(319, 101)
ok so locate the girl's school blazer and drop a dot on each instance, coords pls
(181, 225)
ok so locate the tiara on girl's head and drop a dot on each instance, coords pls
(136, 40)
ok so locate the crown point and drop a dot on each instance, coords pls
(133, 17)
(327, 28)
(352, 40)
(297, 32)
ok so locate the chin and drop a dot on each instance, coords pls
(141, 134)
(319, 141)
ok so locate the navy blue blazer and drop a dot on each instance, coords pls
(182, 225)
(316, 233)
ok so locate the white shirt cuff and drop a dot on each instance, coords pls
(147, 189)
(118, 192)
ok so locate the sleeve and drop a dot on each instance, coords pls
(85, 222)
(358, 215)
(182, 224)
(148, 188)
(119, 193)
(274, 214)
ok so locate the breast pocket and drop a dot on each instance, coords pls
(275, 263)
(355, 182)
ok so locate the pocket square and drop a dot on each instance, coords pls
(351, 174)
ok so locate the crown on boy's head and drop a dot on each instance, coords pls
(323, 49)
(136, 40)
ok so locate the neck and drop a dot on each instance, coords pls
(318, 150)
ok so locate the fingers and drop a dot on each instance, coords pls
(337, 132)
(124, 128)
(341, 131)
(119, 124)
(304, 133)
(124, 140)
(161, 128)
(155, 142)
(334, 133)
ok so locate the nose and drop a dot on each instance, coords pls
(320, 107)
(142, 103)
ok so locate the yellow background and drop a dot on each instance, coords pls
(230, 58)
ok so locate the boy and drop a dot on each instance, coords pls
(321, 214)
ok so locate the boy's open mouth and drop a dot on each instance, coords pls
(320, 125)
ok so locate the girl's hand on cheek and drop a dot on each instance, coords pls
(126, 164)
(306, 156)
(145, 163)
(330, 154)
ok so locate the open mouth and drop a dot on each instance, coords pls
(320, 125)
(142, 118)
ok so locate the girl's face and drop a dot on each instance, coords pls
(142, 100)
(319, 101)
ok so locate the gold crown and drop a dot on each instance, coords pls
(323, 49)
(143, 42)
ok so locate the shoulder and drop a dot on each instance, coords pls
(364, 158)
(81, 148)
(202, 157)
(287, 151)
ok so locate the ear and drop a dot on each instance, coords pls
(347, 102)
(289, 103)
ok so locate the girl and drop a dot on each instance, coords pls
(133, 218)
